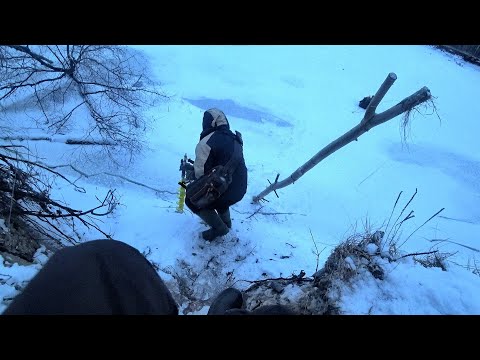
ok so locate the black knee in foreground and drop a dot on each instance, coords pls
(96, 277)
(108, 277)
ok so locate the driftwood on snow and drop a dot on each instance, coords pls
(369, 121)
(66, 141)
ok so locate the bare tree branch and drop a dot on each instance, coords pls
(25, 202)
(415, 254)
(367, 123)
(111, 83)
(83, 174)
(41, 59)
(66, 141)
(387, 84)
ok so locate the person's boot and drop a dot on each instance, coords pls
(225, 216)
(218, 227)
(228, 299)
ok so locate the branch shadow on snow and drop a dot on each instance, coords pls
(459, 167)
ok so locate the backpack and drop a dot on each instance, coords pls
(209, 187)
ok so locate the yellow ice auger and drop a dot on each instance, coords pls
(183, 183)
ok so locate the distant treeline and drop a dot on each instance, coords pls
(470, 53)
(473, 50)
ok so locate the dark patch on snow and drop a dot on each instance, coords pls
(231, 108)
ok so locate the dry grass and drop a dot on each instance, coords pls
(362, 253)
(318, 294)
(434, 260)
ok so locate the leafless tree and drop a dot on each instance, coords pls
(108, 85)
(100, 90)
(28, 214)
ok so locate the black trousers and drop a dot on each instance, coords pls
(96, 277)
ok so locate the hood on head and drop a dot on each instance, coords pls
(213, 118)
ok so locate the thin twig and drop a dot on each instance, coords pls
(438, 212)
(267, 213)
(414, 254)
(260, 208)
(316, 250)
(292, 278)
(6, 275)
(280, 213)
(45, 167)
(11, 203)
(109, 174)
(372, 173)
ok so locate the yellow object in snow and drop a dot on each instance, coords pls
(181, 198)
(182, 190)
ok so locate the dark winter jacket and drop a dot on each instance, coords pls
(216, 148)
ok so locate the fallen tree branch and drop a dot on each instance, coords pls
(372, 106)
(23, 138)
(29, 211)
(108, 201)
(368, 122)
(4, 158)
(29, 196)
(256, 283)
(268, 213)
(89, 142)
(415, 254)
(280, 213)
(108, 84)
(260, 208)
(108, 174)
(66, 141)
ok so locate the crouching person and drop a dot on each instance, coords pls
(218, 161)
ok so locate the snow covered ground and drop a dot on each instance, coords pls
(289, 102)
